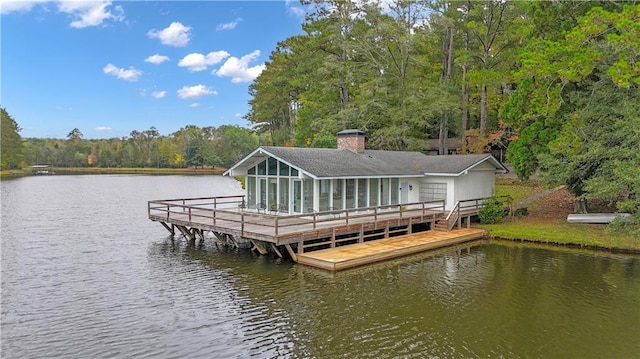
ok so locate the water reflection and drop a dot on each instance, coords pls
(478, 300)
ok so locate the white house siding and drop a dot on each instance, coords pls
(477, 183)
(414, 191)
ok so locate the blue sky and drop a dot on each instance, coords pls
(109, 67)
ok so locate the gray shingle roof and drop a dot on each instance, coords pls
(323, 162)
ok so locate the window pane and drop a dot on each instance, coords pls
(307, 185)
(284, 169)
(337, 194)
(262, 168)
(251, 191)
(350, 196)
(273, 194)
(374, 189)
(284, 195)
(252, 170)
(362, 193)
(273, 167)
(395, 191)
(325, 192)
(294, 172)
(384, 191)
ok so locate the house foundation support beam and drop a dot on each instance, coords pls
(185, 232)
(276, 250)
(220, 237)
(170, 229)
(258, 246)
(233, 240)
(292, 253)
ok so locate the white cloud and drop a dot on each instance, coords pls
(228, 26)
(297, 11)
(90, 13)
(156, 59)
(10, 6)
(194, 105)
(199, 62)
(239, 70)
(158, 94)
(175, 34)
(130, 74)
(84, 13)
(103, 128)
(195, 91)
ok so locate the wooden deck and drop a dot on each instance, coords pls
(349, 256)
(332, 240)
(222, 215)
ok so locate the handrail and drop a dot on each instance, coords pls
(476, 204)
(455, 210)
(204, 206)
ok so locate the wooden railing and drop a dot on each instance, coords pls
(230, 212)
(471, 206)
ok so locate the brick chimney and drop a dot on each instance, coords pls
(351, 140)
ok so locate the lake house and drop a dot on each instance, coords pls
(289, 180)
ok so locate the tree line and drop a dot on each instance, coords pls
(555, 81)
(191, 146)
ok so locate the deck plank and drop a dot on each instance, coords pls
(353, 255)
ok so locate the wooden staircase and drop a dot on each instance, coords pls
(467, 208)
(446, 224)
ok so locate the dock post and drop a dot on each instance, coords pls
(333, 238)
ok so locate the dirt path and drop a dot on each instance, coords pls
(527, 201)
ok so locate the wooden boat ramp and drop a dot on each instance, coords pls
(331, 240)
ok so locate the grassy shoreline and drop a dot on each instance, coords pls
(547, 223)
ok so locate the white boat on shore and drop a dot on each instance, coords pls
(595, 218)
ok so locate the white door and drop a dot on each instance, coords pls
(404, 192)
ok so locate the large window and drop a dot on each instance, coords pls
(262, 168)
(269, 183)
(273, 167)
(251, 191)
(338, 193)
(307, 185)
(362, 193)
(325, 194)
(374, 189)
(395, 190)
(350, 195)
(284, 169)
(284, 195)
(384, 191)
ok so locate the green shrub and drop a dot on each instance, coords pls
(624, 225)
(492, 211)
(521, 212)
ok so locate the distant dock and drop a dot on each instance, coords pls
(43, 170)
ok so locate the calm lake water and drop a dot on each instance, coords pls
(85, 274)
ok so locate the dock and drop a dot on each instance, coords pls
(332, 240)
(340, 258)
